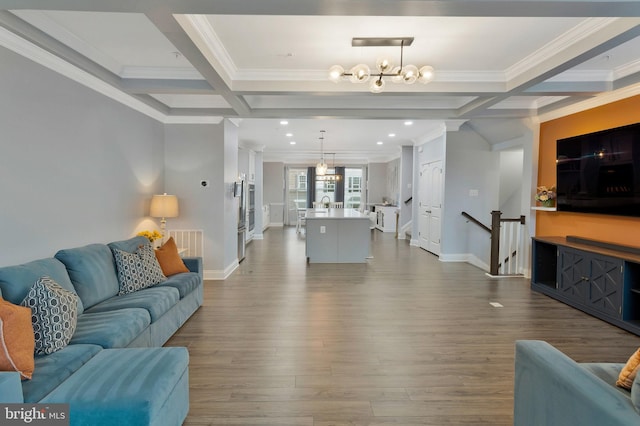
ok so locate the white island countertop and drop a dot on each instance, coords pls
(320, 213)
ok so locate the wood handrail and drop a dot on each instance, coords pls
(476, 221)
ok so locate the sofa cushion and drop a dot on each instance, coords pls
(185, 283)
(129, 245)
(128, 387)
(169, 258)
(53, 369)
(113, 329)
(53, 315)
(92, 270)
(137, 270)
(16, 281)
(157, 301)
(606, 371)
(16, 339)
(635, 393)
(629, 371)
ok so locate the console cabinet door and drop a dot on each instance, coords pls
(573, 279)
(606, 285)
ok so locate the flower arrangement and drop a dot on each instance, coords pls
(151, 235)
(546, 195)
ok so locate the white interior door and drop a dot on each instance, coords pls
(430, 206)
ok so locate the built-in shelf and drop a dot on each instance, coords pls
(545, 209)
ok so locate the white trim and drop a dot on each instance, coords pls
(40, 56)
(207, 40)
(218, 275)
(465, 257)
(579, 32)
(596, 101)
(164, 73)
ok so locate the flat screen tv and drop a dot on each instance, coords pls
(600, 172)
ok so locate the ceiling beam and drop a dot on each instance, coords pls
(167, 24)
(606, 37)
(167, 86)
(496, 8)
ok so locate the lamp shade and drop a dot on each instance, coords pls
(164, 206)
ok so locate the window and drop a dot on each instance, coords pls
(302, 182)
(353, 188)
(297, 188)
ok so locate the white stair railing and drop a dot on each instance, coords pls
(511, 247)
(190, 242)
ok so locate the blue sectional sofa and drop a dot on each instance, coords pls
(113, 371)
(552, 389)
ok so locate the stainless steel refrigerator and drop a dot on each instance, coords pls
(240, 192)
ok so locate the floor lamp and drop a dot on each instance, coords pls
(164, 206)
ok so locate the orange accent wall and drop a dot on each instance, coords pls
(615, 229)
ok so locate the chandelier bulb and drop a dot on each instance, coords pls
(426, 74)
(377, 85)
(410, 74)
(397, 75)
(335, 73)
(383, 65)
(360, 73)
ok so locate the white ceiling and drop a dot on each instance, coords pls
(262, 62)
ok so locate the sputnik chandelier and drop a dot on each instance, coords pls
(361, 73)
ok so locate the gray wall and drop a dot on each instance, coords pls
(75, 167)
(377, 183)
(273, 190)
(406, 185)
(511, 169)
(470, 165)
(196, 152)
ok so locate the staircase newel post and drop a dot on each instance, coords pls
(495, 242)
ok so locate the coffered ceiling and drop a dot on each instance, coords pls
(262, 62)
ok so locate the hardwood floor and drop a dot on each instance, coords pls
(403, 340)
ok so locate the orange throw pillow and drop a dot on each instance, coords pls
(17, 342)
(629, 371)
(169, 259)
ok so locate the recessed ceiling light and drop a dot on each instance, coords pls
(391, 135)
(289, 135)
(292, 142)
(379, 142)
(284, 122)
(408, 123)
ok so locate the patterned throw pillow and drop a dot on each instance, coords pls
(137, 270)
(53, 315)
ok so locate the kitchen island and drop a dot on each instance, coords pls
(337, 236)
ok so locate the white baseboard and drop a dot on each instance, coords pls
(414, 243)
(465, 257)
(220, 275)
(277, 224)
(259, 236)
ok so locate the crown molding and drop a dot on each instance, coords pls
(48, 60)
(579, 32)
(199, 29)
(626, 70)
(596, 101)
(161, 73)
(44, 22)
